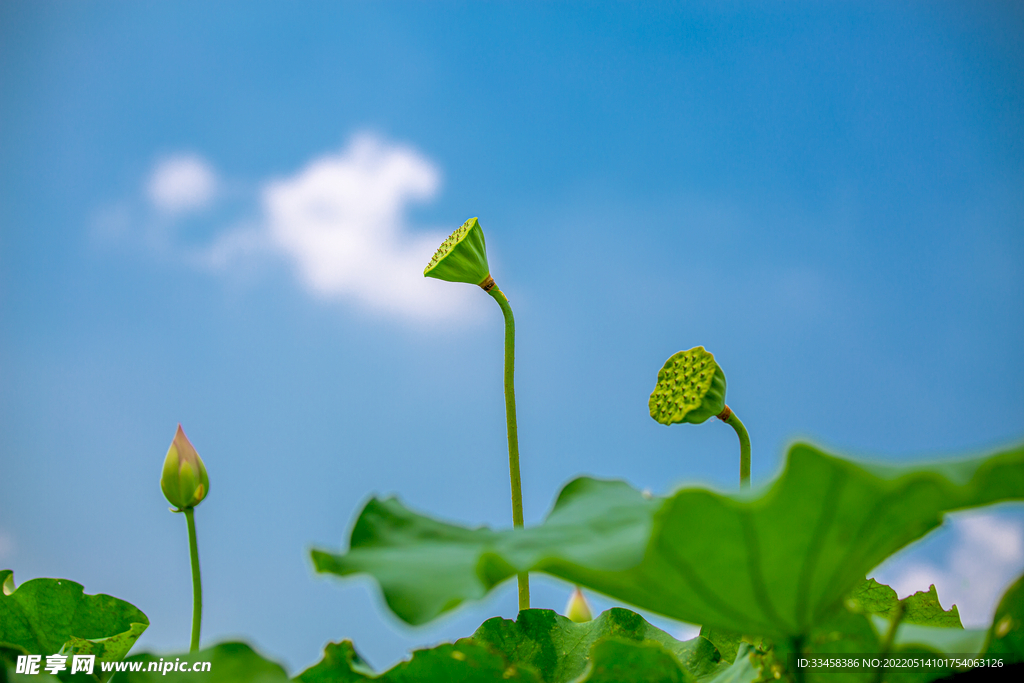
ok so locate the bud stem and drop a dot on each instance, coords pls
(513, 435)
(741, 431)
(197, 585)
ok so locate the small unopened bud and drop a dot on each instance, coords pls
(184, 480)
(577, 608)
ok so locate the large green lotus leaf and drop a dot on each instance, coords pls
(856, 636)
(936, 638)
(1006, 637)
(539, 646)
(779, 561)
(105, 649)
(461, 662)
(427, 567)
(745, 669)
(859, 631)
(229, 663)
(843, 634)
(923, 607)
(560, 649)
(926, 642)
(726, 642)
(774, 561)
(616, 660)
(51, 616)
(621, 660)
(340, 664)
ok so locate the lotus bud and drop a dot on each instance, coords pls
(577, 608)
(690, 388)
(184, 480)
(462, 257)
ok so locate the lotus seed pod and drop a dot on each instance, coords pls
(184, 480)
(577, 608)
(690, 388)
(462, 257)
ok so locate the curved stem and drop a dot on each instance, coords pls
(197, 585)
(741, 432)
(513, 435)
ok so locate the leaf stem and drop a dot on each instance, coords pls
(890, 636)
(741, 432)
(513, 434)
(197, 585)
(797, 645)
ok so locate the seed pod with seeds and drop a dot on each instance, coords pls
(462, 257)
(691, 388)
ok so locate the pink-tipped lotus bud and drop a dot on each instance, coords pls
(184, 480)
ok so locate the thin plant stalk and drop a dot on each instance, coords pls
(463, 258)
(741, 431)
(186, 484)
(513, 436)
(890, 636)
(197, 584)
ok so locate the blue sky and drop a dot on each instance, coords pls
(218, 214)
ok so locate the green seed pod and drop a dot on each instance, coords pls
(462, 257)
(184, 480)
(577, 609)
(690, 388)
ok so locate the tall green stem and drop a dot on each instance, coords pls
(513, 435)
(197, 585)
(741, 432)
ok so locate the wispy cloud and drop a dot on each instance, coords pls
(340, 223)
(182, 182)
(986, 555)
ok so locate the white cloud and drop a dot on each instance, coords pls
(339, 222)
(180, 183)
(986, 555)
